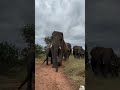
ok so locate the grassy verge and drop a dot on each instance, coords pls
(75, 70)
(100, 83)
(39, 59)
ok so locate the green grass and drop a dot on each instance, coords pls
(100, 83)
(75, 70)
(39, 59)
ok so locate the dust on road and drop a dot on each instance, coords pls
(47, 79)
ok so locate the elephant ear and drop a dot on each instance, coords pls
(62, 34)
(53, 33)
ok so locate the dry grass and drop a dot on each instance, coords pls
(75, 70)
(101, 83)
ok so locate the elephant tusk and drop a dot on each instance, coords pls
(50, 45)
(59, 47)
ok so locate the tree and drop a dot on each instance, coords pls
(38, 50)
(48, 39)
(8, 56)
(29, 34)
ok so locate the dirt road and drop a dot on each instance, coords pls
(47, 79)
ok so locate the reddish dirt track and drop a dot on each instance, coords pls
(47, 79)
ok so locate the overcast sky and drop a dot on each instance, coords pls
(103, 23)
(14, 15)
(67, 16)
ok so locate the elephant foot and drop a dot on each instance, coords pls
(53, 66)
(60, 64)
(57, 70)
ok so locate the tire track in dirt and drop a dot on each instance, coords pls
(47, 79)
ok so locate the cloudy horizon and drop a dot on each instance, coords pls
(15, 14)
(67, 16)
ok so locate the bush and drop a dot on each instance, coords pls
(8, 56)
(38, 50)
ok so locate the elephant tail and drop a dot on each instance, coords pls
(26, 79)
(44, 61)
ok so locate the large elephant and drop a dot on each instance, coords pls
(66, 52)
(103, 60)
(30, 69)
(57, 48)
(78, 51)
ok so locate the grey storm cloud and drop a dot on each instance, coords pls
(103, 23)
(14, 15)
(67, 16)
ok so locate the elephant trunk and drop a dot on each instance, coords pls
(56, 57)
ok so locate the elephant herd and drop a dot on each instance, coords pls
(103, 61)
(59, 50)
(78, 52)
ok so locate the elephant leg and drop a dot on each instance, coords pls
(56, 66)
(111, 70)
(47, 61)
(54, 63)
(115, 70)
(53, 66)
(51, 60)
(60, 63)
(29, 84)
(94, 68)
(105, 70)
(74, 56)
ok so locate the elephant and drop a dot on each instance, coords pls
(82, 53)
(67, 51)
(30, 69)
(70, 49)
(78, 51)
(103, 60)
(57, 49)
(48, 54)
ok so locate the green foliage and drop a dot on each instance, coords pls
(29, 33)
(8, 56)
(47, 40)
(38, 50)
